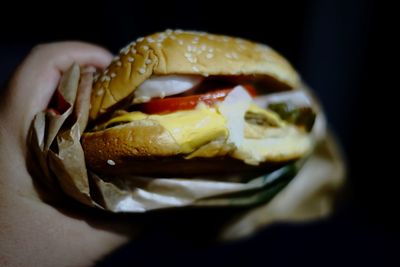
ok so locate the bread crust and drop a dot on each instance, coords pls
(137, 139)
(180, 52)
(178, 166)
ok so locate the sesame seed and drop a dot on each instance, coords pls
(150, 40)
(168, 31)
(188, 54)
(140, 39)
(261, 47)
(113, 75)
(192, 59)
(148, 61)
(142, 70)
(133, 50)
(234, 55)
(239, 41)
(105, 78)
(115, 58)
(131, 59)
(173, 37)
(210, 50)
(180, 42)
(228, 55)
(203, 47)
(178, 31)
(106, 71)
(196, 69)
(209, 55)
(111, 162)
(189, 48)
(119, 63)
(122, 50)
(125, 50)
(145, 47)
(195, 40)
(159, 45)
(100, 92)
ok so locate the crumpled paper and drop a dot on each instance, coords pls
(303, 190)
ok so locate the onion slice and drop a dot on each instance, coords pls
(233, 109)
(162, 86)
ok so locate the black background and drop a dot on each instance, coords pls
(343, 50)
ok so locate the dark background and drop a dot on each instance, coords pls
(342, 50)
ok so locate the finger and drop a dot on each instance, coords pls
(34, 82)
(39, 74)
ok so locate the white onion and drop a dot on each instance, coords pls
(234, 108)
(162, 86)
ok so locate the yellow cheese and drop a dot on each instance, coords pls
(194, 128)
(189, 128)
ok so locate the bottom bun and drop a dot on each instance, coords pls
(146, 148)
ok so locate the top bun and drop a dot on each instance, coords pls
(183, 52)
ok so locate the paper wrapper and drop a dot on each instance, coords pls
(301, 190)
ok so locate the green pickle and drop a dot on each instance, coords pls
(303, 116)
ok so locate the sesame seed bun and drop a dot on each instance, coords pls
(180, 52)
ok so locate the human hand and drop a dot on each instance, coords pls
(32, 232)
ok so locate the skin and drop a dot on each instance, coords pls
(55, 232)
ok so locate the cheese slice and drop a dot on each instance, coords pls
(193, 129)
(278, 144)
(189, 128)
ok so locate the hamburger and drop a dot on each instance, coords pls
(181, 104)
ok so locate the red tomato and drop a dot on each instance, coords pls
(171, 104)
(58, 105)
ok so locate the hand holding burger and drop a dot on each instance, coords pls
(29, 225)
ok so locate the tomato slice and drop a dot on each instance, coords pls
(171, 104)
(58, 105)
(250, 89)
